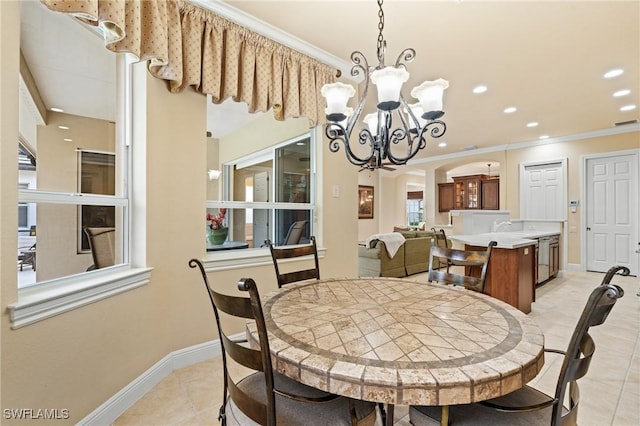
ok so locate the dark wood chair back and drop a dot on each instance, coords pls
(470, 259)
(256, 359)
(440, 238)
(581, 347)
(279, 254)
(529, 405)
(260, 406)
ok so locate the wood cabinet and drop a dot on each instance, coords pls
(491, 194)
(511, 275)
(469, 192)
(446, 197)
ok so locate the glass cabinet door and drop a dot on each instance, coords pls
(472, 194)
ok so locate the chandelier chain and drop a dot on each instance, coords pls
(381, 43)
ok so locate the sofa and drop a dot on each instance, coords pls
(411, 258)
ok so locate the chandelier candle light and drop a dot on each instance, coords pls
(415, 119)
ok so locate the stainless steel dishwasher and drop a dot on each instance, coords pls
(543, 259)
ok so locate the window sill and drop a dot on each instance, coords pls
(242, 258)
(46, 300)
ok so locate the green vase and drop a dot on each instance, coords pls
(218, 236)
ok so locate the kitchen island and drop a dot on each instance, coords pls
(511, 273)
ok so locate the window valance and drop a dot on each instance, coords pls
(189, 46)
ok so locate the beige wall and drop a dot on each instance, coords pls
(79, 359)
(390, 207)
(510, 161)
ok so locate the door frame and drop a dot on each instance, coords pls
(583, 196)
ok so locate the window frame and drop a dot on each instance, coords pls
(257, 256)
(46, 299)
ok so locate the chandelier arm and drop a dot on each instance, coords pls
(360, 65)
(364, 137)
(414, 120)
(336, 134)
(437, 131)
(397, 136)
(407, 55)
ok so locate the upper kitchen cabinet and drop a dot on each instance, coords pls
(469, 192)
(491, 194)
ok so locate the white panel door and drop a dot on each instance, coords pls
(612, 212)
(543, 192)
(260, 216)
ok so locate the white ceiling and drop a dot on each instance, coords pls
(547, 58)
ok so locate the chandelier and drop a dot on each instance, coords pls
(379, 137)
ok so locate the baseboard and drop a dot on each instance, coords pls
(574, 267)
(115, 406)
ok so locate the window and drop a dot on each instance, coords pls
(415, 208)
(76, 174)
(269, 195)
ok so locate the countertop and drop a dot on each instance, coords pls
(508, 240)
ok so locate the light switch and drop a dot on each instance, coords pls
(336, 191)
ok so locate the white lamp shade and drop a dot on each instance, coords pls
(389, 81)
(430, 94)
(337, 95)
(417, 111)
(372, 122)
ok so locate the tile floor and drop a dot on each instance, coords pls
(610, 392)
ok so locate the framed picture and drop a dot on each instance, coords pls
(365, 202)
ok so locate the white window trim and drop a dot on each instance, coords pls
(240, 259)
(50, 298)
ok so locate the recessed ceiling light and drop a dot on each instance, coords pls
(613, 73)
(544, 137)
(510, 110)
(480, 89)
(68, 140)
(628, 108)
(442, 144)
(63, 127)
(56, 109)
(532, 124)
(621, 93)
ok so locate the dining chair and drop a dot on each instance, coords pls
(529, 406)
(470, 259)
(440, 239)
(280, 254)
(265, 396)
(295, 232)
(101, 242)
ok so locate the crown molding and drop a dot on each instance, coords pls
(527, 144)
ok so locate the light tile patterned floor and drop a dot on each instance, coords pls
(610, 393)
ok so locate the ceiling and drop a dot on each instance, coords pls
(546, 58)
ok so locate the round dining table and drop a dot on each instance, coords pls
(400, 341)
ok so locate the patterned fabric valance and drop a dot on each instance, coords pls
(190, 46)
